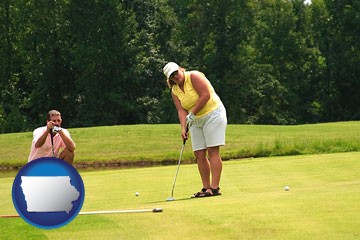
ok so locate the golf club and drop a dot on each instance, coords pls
(52, 142)
(177, 169)
(154, 210)
(9, 216)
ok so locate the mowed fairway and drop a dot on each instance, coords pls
(323, 202)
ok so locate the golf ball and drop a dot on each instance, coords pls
(286, 188)
(137, 194)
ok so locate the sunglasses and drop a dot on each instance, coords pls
(172, 76)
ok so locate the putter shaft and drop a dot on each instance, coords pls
(177, 170)
(178, 166)
(154, 210)
(122, 211)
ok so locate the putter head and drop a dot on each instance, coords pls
(157, 209)
(169, 199)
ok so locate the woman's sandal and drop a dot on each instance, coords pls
(201, 193)
(212, 192)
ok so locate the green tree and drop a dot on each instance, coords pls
(342, 51)
(281, 40)
(100, 62)
(152, 49)
(101, 48)
(44, 70)
(11, 85)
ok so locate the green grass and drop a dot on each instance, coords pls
(323, 202)
(160, 144)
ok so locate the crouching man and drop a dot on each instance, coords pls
(52, 140)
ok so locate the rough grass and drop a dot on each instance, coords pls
(323, 202)
(114, 146)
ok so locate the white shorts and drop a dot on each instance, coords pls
(209, 130)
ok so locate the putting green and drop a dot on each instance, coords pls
(322, 203)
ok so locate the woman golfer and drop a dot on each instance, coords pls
(200, 108)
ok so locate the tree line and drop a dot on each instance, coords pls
(100, 61)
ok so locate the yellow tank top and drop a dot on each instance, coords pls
(189, 96)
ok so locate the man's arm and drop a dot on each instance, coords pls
(69, 143)
(41, 140)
